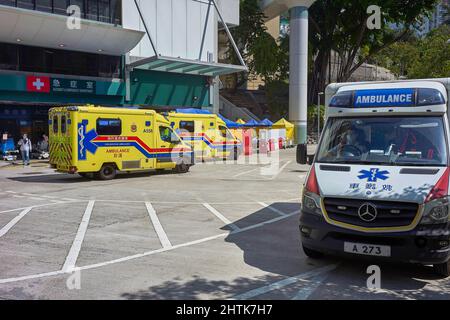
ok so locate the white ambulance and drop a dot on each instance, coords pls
(379, 181)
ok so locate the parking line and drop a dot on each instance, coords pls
(14, 221)
(221, 217)
(145, 254)
(165, 242)
(283, 283)
(245, 172)
(313, 284)
(72, 257)
(265, 205)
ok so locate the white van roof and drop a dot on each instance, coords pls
(385, 97)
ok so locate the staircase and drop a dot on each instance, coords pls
(232, 112)
(244, 99)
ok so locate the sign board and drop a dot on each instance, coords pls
(38, 84)
(384, 98)
(73, 86)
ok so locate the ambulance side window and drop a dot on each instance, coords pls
(109, 127)
(55, 124)
(188, 126)
(63, 124)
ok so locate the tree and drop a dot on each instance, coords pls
(259, 49)
(434, 55)
(341, 26)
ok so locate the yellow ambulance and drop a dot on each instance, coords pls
(207, 134)
(98, 142)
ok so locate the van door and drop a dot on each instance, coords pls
(166, 141)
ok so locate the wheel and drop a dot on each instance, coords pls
(313, 254)
(182, 168)
(107, 172)
(443, 269)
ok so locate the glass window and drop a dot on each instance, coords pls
(31, 59)
(80, 4)
(55, 124)
(60, 6)
(63, 124)
(8, 57)
(413, 141)
(8, 2)
(26, 4)
(92, 10)
(104, 11)
(188, 126)
(167, 135)
(116, 12)
(44, 5)
(109, 127)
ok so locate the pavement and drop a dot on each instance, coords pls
(221, 231)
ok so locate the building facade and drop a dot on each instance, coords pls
(149, 53)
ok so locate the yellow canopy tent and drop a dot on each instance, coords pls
(284, 124)
(240, 121)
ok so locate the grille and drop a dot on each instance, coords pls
(346, 211)
(131, 164)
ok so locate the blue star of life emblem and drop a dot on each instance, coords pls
(373, 175)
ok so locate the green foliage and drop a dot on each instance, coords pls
(277, 93)
(258, 48)
(433, 55)
(419, 58)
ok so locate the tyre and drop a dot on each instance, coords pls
(182, 168)
(107, 172)
(442, 269)
(313, 254)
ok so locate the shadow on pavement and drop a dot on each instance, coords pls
(74, 178)
(275, 249)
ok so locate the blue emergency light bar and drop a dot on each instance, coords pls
(378, 98)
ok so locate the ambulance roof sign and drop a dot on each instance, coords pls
(384, 98)
(388, 98)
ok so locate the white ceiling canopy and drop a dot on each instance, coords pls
(34, 28)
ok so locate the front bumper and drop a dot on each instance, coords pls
(421, 245)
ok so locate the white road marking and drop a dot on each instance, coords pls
(18, 196)
(145, 254)
(283, 283)
(280, 171)
(72, 257)
(313, 284)
(14, 221)
(221, 217)
(165, 242)
(265, 205)
(11, 192)
(245, 172)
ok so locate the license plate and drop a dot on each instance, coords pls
(367, 249)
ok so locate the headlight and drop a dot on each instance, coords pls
(436, 211)
(310, 203)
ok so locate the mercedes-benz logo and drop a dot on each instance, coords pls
(368, 212)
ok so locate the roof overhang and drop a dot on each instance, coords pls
(35, 28)
(273, 8)
(185, 66)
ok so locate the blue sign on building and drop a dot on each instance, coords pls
(385, 98)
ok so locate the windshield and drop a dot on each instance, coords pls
(405, 141)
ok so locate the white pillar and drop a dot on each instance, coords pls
(298, 72)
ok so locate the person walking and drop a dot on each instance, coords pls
(25, 149)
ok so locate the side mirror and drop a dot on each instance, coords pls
(311, 159)
(302, 154)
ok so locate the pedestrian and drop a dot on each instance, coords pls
(25, 149)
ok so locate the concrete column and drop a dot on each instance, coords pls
(298, 72)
